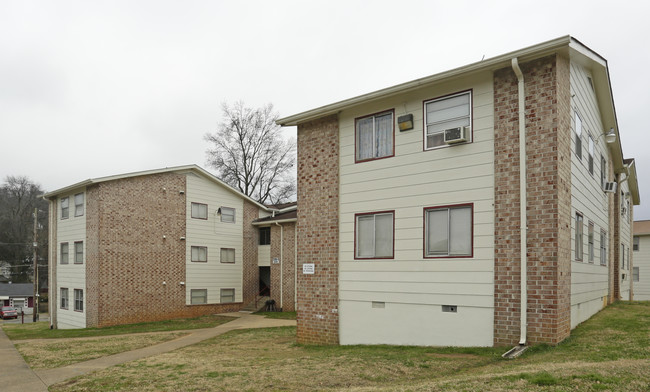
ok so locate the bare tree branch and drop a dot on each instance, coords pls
(250, 154)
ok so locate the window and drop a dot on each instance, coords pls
(227, 214)
(64, 253)
(227, 295)
(227, 255)
(78, 300)
(374, 235)
(198, 296)
(374, 136)
(578, 136)
(200, 254)
(265, 236)
(79, 252)
(590, 241)
(622, 256)
(603, 171)
(65, 208)
(635, 243)
(635, 274)
(64, 298)
(79, 204)
(578, 239)
(448, 231)
(591, 154)
(199, 211)
(444, 113)
(603, 248)
(628, 258)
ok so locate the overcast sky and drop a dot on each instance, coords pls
(90, 89)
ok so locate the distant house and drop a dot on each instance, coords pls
(161, 244)
(640, 274)
(18, 295)
(482, 206)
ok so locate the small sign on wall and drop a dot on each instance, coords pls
(308, 268)
(276, 260)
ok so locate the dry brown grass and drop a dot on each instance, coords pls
(45, 354)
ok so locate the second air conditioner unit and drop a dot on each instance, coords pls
(609, 187)
(456, 135)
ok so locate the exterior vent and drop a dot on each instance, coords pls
(609, 187)
(456, 135)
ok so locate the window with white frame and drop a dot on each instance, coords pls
(578, 136)
(227, 295)
(448, 112)
(200, 254)
(578, 235)
(590, 149)
(79, 204)
(374, 136)
(590, 241)
(199, 211)
(79, 252)
(374, 235)
(635, 274)
(64, 253)
(603, 248)
(64, 298)
(78, 300)
(227, 255)
(448, 231)
(198, 296)
(227, 214)
(65, 208)
(635, 243)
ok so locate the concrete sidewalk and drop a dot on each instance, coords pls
(47, 377)
(15, 375)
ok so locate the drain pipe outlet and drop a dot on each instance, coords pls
(523, 224)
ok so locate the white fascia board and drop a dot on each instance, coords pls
(271, 223)
(501, 61)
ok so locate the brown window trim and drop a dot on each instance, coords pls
(471, 118)
(424, 230)
(67, 261)
(75, 253)
(582, 235)
(356, 160)
(200, 204)
(228, 262)
(74, 305)
(199, 261)
(392, 256)
(67, 299)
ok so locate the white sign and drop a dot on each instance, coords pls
(276, 260)
(308, 269)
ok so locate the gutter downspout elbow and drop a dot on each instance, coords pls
(522, 201)
(281, 262)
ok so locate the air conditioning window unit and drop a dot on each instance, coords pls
(609, 187)
(456, 135)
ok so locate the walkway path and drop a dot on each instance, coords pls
(17, 375)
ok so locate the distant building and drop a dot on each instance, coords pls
(161, 244)
(640, 274)
(18, 295)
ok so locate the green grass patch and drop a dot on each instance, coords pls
(41, 330)
(278, 315)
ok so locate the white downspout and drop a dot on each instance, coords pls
(281, 261)
(523, 224)
(295, 266)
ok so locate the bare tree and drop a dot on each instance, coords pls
(19, 196)
(250, 154)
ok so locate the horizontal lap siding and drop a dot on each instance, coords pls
(214, 234)
(71, 276)
(642, 261)
(411, 287)
(589, 280)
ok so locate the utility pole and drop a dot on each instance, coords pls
(35, 311)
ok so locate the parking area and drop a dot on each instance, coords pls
(28, 319)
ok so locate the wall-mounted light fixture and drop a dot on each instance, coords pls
(610, 136)
(405, 122)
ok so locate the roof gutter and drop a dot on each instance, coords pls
(266, 223)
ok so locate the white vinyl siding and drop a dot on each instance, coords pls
(71, 276)
(213, 234)
(445, 113)
(589, 281)
(374, 136)
(412, 287)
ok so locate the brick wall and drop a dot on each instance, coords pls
(318, 237)
(548, 202)
(251, 271)
(287, 257)
(127, 257)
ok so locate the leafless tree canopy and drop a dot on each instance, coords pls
(18, 198)
(250, 154)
